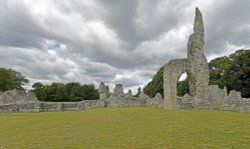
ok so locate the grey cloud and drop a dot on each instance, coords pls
(227, 23)
(18, 27)
(121, 17)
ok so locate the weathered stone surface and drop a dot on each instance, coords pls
(156, 102)
(172, 72)
(233, 96)
(17, 97)
(125, 102)
(28, 107)
(107, 91)
(92, 104)
(103, 91)
(195, 65)
(118, 91)
(129, 94)
(143, 95)
(216, 94)
(9, 108)
(187, 98)
(158, 96)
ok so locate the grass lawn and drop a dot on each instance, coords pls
(118, 128)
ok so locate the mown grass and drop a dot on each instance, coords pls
(129, 128)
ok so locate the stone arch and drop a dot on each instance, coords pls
(172, 72)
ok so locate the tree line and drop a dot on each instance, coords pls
(232, 72)
(11, 79)
(65, 92)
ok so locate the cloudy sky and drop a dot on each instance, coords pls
(114, 41)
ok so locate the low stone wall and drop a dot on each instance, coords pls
(185, 102)
(83, 105)
(44, 107)
(242, 105)
(218, 100)
(17, 97)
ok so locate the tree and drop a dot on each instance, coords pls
(61, 92)
(11, 79)
(90, 93)
(18, 78)
(182, 88)
(76, 93)
(239, 73)
(65, 92)
(233, 72)
(156, 85)
(39, 90)
(218, 71)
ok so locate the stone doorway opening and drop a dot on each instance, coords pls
(182, 86)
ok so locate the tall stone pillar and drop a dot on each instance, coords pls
(198, 71)
(103, 93)
(118, 91)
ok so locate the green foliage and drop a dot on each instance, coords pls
(90, 92)
(156, 85)
(219, 68)
(126, 128)
(240, 72)
(182, 88)
(39, 90)
(58, 92)
(11, 79)
(232, 72)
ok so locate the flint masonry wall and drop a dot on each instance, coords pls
(219, 100)
(83, 105)
(114, 100)
(187, 102)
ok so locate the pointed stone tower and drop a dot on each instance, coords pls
(197, 69)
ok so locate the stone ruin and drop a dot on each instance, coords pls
(17, 97)
(195, 65)
(19, 101)
(120, 99)
(201, 96)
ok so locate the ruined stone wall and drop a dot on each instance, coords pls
(17, 97)
(83, 105)
(219, 100)
(19, 101)
(230, 102)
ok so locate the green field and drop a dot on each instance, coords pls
(118, 128)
